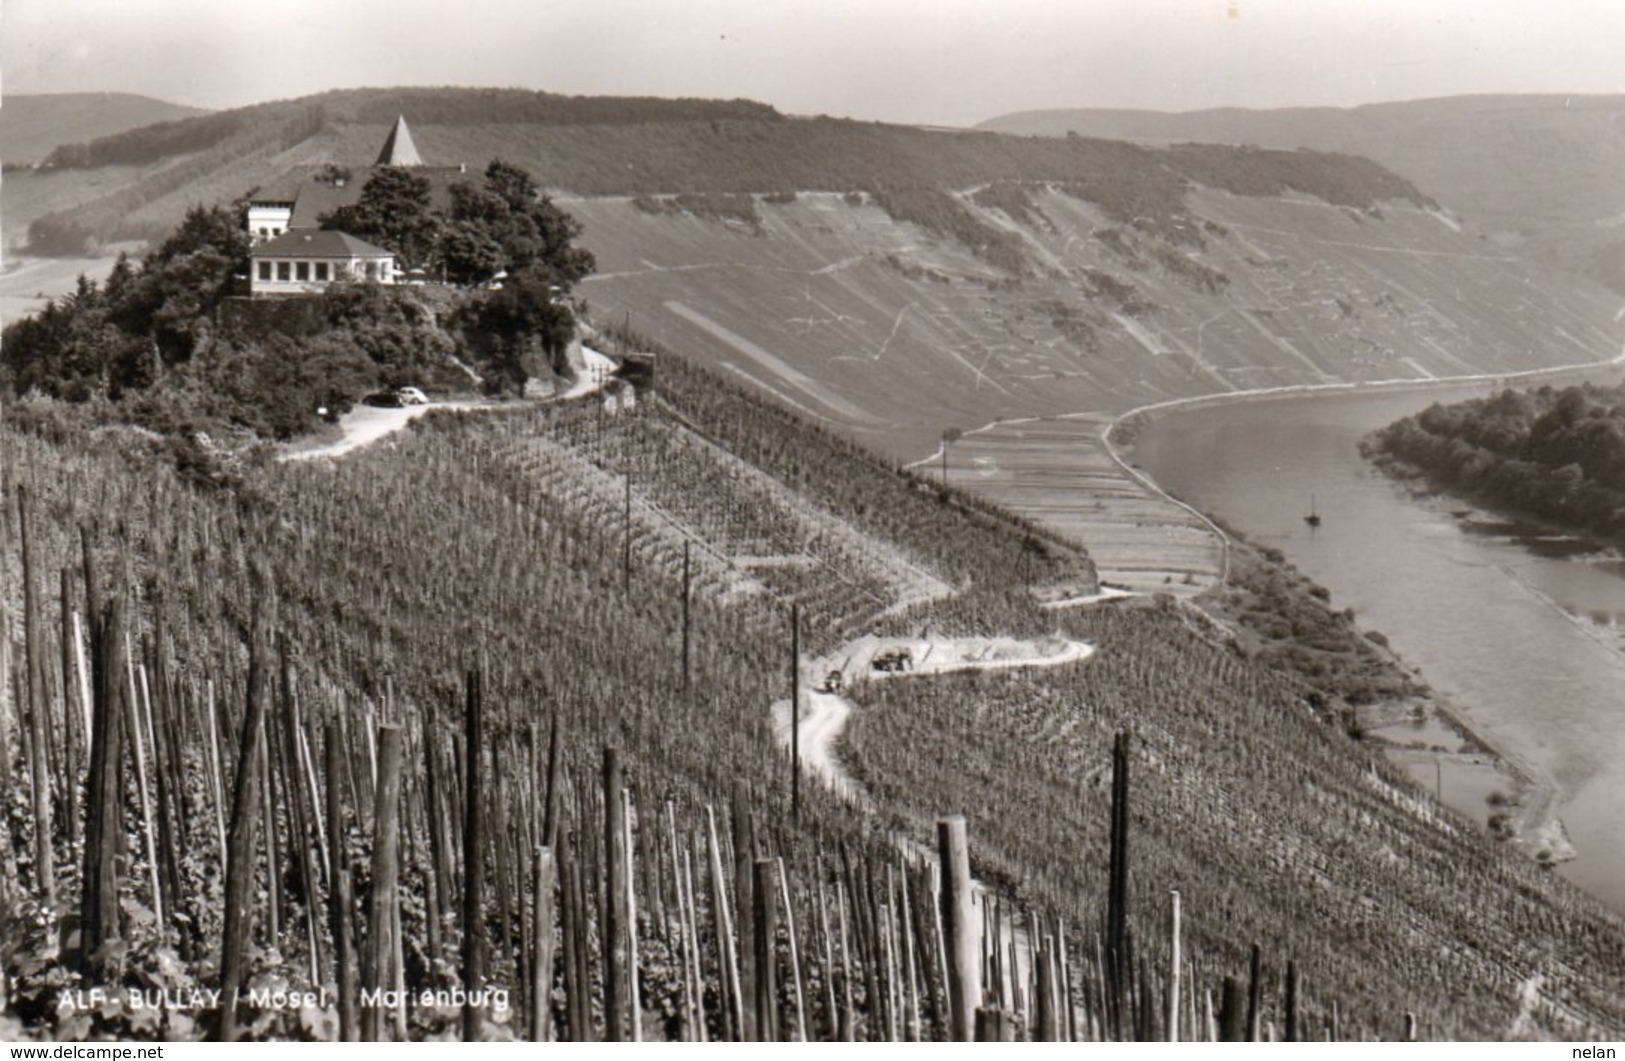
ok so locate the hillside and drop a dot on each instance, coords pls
(630, 569)
(896, 283)
(1537, 172)
(32, 126)
(501, 545)
(595, 146)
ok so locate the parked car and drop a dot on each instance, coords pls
(896, 659)
(394, 399)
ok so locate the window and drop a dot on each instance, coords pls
(282, 271)
(372, 269)
(321, 272)
(302, 271)
(265, 270)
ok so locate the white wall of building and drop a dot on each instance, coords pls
(292, 276)
(268, 221)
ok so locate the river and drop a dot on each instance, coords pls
(1524, 631)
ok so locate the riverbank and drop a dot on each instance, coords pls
(1502, 772)
(1389, 386)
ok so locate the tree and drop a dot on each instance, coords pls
(71, 350)
(184, 279)
(470, 253)
(395, 212)
(523, 328)
(507, 224)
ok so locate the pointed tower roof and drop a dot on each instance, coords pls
(399, 150)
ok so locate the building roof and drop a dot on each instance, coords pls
(314, 199)
(399, 150)
(318, 243)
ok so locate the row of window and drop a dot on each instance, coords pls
(305, 272)
(267, 233)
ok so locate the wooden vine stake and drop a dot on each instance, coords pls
(104, 825)
(386, 817)
(959, 928)
(340, 899)
(541, 973)
(241, 839)
(1117, 955)
(34, 664)
(1173, 966)
(1293, 987)
(1233, 1012)
(1255, 988)
(767, 931)
(473, 858)
(615, 926)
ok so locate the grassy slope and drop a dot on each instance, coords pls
(862, 320)
(1539, 170)
(31, 125)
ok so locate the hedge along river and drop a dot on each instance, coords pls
(1522, 630)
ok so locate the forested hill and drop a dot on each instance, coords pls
(145, 178)
(31, 126)
(1555, 454)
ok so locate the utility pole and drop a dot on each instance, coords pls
(687, 592)
(795, 711)
(626, 536)
(949, 437)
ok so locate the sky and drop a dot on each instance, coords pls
(941, 62)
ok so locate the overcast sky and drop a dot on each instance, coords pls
(951, 62)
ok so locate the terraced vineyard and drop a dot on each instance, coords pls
(466, 586)
(862, 320)
(1264, 819)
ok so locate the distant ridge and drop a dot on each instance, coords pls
(1542, 172)
(598, 146)
(32, 125)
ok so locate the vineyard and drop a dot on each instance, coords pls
(468, 735)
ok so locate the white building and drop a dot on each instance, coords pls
(305, 261)
(268, 219)
(293, 254)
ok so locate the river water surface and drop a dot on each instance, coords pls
(1524, 631)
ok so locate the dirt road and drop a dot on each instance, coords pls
(823, 715)
(366, 424)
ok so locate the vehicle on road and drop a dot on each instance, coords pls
(395, 399)
(896, 659)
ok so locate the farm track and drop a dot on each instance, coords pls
(826, 713)
(365, 424)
